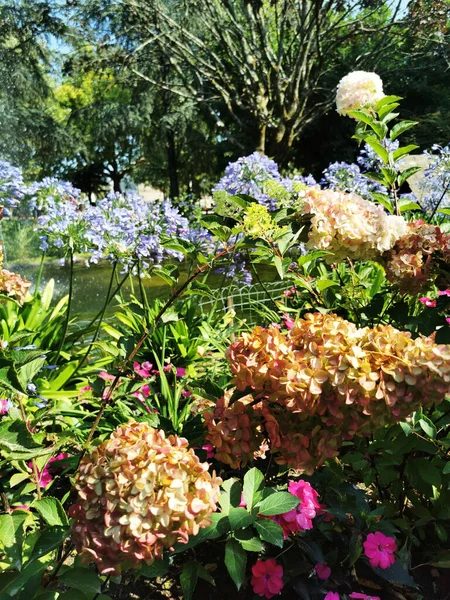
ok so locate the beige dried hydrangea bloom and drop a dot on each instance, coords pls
(138, 493)
(349, 226)
(357, 90)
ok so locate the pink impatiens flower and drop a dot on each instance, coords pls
(358, 596)
(300, 518)
(428, 302)
(267, 578)
(379, 549)
(323, 571)
(45, 476)
(444, 292)
(144, 370)
(332, 596)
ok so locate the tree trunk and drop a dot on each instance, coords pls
(172, 166)
(262, 138)
(116, 179)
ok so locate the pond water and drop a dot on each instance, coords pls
(91, 283)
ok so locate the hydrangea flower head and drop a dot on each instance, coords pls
(358, 89)
(267, 578)
(379, 549)
(138, 493)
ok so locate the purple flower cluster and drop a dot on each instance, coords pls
(347, 177)
(123, 228)
(436, 183)
(237, 269)
(12, 187)
(48, 192)
(248, 175)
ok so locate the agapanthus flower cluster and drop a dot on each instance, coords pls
(358, 89)
(418, 257)
(435, 185)
(43, 195)
(346, 225)
(123, 228)
(249, 175)
(12, 186)
(347, 177)
(321, 383)
(139, 492)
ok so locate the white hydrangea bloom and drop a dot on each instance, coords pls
(358, 89)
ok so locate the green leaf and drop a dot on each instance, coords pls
(407, 430)
(406, 174)
(387, 100)
(48, 540)
(396, 574)
(231, 495)
(28, 371)
(446, 469)
(279, 266)
(385, 110)
(428, 427)
(188, 578)
(440, 560)
(384, 200)
(18, 478)
(376, 177)
(405, 204)
(403, 151)
(355, 548)
(235, 561)
(361, 115)
(378, 149)
(30, 571)
(400, 128)
(445, 211)
(158, 569)
(253, 487)
(323, 284)
(17, 443)
(10, 539)
(83, 579)
(239, 518)
(51, 511)
(278, 503)
(269, 531)
(248, 540)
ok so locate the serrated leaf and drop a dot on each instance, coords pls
(29, 572)
(278, 503)
(388, 108)
(249, 541)
(400, 128)
(323, 284)
(269, 531)
(403, 151)
(378, 149)
(235, 562)
(51, 511)
(253, 487)
(239, 518)
(387, 100)
(396, 574)
(17, 443)
(384, 200)
(48, 540)
(361, 115)
(188, 578)
(9, 541)
(83, 579)
(407, 173)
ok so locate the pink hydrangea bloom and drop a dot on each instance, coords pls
(186, 393)
(332, 596)
(428, 302)
(144, 370)
(5, 406)
(379, 549)
(19, 507)
(180, 372)
(45, 476)
(300, 518)
(358, 596)
(267, 578)
(323, 571)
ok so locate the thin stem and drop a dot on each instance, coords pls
(59, 565)
(69, 306)
(200, 269)
(76, 338)
(144, 298)
(33, 460)
(440, 200)
(39, 275)
(102, 314)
